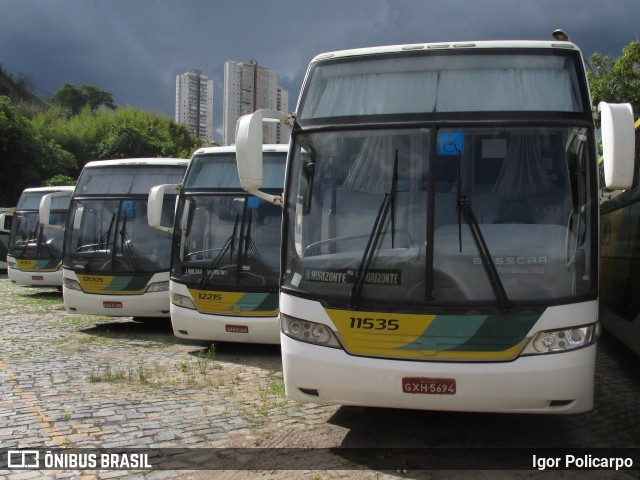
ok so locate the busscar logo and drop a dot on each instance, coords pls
(23, 459)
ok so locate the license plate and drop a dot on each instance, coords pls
(112, 304)
(37, 277)
(429, 386)
(237, 328)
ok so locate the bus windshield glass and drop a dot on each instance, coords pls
(108, 232)
(29, 240)
(224, 237)
(113, 236)
(435, 82)
(418, 216)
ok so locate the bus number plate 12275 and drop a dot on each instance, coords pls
(429, 386)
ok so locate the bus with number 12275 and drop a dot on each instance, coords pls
(440, 228)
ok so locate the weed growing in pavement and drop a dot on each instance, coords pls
(275, 389)
(143, 373)
(205, 358)
(109, 375)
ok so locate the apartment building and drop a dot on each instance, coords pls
(247, 88)
(194, 103)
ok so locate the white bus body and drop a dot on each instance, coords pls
(114, 264)
(34, 255)
(440, 239)
(226, 250)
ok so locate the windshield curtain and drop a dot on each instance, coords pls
(482, 81)
(227, 240)
(126, 179)
(113, 237)
(400, 192)
(220, 171)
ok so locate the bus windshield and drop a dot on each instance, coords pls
(108, 232)
(420, 216)
(224, 237)
(29, 240)
(406, 83)
(114, 236)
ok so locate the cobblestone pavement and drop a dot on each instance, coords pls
(99, 382)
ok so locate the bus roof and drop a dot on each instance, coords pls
(359, 52)
(65, 188)
(137, 161)
(269, 147)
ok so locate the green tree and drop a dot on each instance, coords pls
(27, 156)
(617, 81)
(76, 98)
(60, 181)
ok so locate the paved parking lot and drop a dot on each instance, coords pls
(98, 382)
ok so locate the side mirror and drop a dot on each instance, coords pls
(154, 206)
(44, 211)
(618, 144)
(249, 150)
(6, 219)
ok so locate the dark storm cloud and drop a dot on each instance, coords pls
(134, 49)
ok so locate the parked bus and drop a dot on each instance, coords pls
(6, 218)
(34, 255)
(225, 262)
(440, 228)
(114, 263)
(620, 259)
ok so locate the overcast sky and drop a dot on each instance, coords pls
(135, 48)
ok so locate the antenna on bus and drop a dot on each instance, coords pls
(560, 35)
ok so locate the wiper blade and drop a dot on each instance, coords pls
(125, 245)
(464, 209)
(228, 246)
(388, 203)
(104, 240)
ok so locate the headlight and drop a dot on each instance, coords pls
(12, 265)
(158, 287)
(552, 341)
(182, 301)
(71, 284)
(309, 332)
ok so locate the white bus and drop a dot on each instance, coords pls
(6, 218)
(114, 263)
(225, 262)
(440, 229)
(34, 255)
(620, 258)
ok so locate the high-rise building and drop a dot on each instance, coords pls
(194, 103)
(247, 88)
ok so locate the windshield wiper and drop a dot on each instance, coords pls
(464, 208)
(125, 245)
(104, 240)
(388, 203)
(228, 246)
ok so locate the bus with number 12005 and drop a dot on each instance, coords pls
(115, 264)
